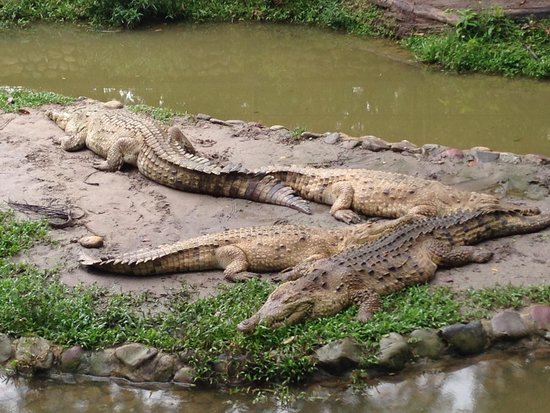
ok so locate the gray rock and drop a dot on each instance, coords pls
(465, 338)
(71, 359)
(485, 156)
(277, 127)
(426, 343)
(351, 143)
(219, 122)
(202, 116)
(405, 146)
(103, 363)
(339, 356)
(509, 157)
(536, 159)
(33, 353)
(186, 375)
(332, 138)
(374, 144)
(235, 122)
(6, 350)
(310, 135)
(281, 135)
(134, 354)
(508, 324)
(394, 352)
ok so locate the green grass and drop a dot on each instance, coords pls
(162, 114)
(350, 15)
(488, 42)
(13, 99)
(35, 302)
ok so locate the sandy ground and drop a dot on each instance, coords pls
(132, 212)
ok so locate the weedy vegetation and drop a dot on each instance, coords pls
(33, 301)
(13, 99)
(488, 42)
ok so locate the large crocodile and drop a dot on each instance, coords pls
(380, 193)
(163, 155)
(405, 255)
(243, 251)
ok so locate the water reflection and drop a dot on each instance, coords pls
(504, 384)
(295, 76)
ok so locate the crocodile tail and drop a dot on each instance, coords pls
(168, 163)
(263, 188)
(518, 223)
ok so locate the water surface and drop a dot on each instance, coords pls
(281, 74)
(504, 385)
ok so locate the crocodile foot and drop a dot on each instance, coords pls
(347, 216)
(241, 276)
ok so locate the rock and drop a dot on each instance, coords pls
(485, 156)
(339, 356)
(33, 353)
(186, 375)
(332, 138)
(235, 122)
(374, 144)
(282, 135)
(6, 350)
(134, 354)
(426, 343)
(351, 143)
(71, 359)
(453, 153)
(91, 241)
(480, 148)
(508, 157)
(394, 352)
(539, 316)
(431, 149)
(405, 146)
(203, 116)
(113, 104)
(508, 324)
(219, 122)
(536, 159)
(103, 363)
(277, 127)
(310, 135)
(465, 338)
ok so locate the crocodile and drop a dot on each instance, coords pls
(242, 252)
(405, 255)
(162, 154)
(382, 194)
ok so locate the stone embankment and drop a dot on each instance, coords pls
(136, 362)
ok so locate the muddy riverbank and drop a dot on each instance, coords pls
(132, 212)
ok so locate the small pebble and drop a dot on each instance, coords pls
(91, 241)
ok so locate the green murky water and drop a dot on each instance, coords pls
(276, 74)
(503, 385)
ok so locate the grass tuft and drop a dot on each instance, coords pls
(12, 99)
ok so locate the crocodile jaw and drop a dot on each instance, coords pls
(278, 313)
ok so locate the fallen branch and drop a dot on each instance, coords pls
(53, 214)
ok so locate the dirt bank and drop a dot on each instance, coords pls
(413, 15)
(132, 212)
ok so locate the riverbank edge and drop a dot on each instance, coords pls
(32, 355)
(528, 329)
(461, 40)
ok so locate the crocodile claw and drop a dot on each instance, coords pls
(347, 216)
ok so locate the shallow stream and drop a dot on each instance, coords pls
(300, 77)
(505, 384)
